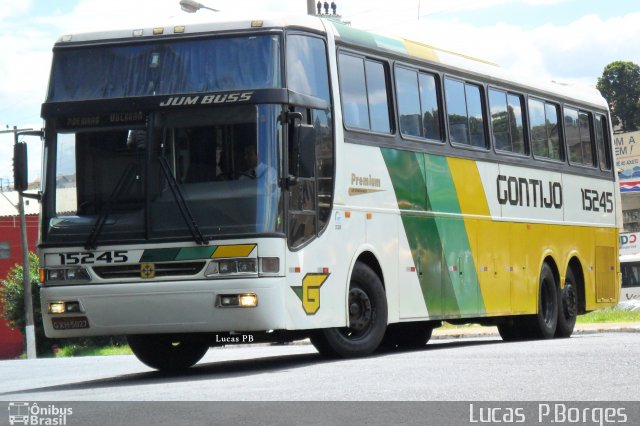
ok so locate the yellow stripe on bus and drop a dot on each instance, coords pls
(488, 240)
(238, 250)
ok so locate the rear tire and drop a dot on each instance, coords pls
(568, 306)
(166, 352)
(511, 330)
(543, 324)
(367, 306)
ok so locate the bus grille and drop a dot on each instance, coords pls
(170, 269)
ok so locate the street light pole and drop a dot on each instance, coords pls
(29, 332)
(311, 7)
(191, 6)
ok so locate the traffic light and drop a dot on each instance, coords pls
(20, 179)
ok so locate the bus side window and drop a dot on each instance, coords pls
(577, 127)
(465, 112)
(543, 125)
(365, 93)
(507, 121)
(602, 142)
(418, 104)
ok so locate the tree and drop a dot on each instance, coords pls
(12, 309)
(12, 300)
(620, 85)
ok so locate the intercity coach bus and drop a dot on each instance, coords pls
(297, 178)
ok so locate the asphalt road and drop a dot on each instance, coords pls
(595, 367)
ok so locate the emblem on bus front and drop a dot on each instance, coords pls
(147, 270)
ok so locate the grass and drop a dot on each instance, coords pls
(73, 350)
(601, 316)
(610, 315)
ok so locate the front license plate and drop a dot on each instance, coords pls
(70, 323)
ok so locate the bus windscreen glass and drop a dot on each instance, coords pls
(192, 66)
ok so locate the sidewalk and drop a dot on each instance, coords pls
(589, 328)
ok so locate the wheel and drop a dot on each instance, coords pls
(510, 330)
(568, 306)
(407, 336)
(166, 352)
(367, 318)
(543, 324)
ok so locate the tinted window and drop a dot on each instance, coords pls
(572, 135)
(466, 116)
(585, 138)
(408, 102)
(354, 92)
(577, 127)
(165, 67)
(378, 98)
(307, 66)
(429, 103)
(365, 96)
(457, 111)
(516, 123)
(543, 123)
(418, 104)
(476, 117)
(506, 121)
(552, 115)
(602, 142)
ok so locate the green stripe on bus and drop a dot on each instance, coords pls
(442, 197)
(439, 244)
(192, 253)
(159, 255)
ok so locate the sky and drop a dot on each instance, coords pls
(569, 41)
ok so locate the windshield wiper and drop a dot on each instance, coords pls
(198, 237)
(125, 181)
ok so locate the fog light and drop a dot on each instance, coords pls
(270, 265)
(248, 300)
(229, 300)
(72, 307)
(56, 307)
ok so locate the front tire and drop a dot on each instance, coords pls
(167, 353)
(407, 335)
(568, 306)
(367, 306)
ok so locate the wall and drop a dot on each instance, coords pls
(11, 340)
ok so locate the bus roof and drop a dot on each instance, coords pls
(367, 39)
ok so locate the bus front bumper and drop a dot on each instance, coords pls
(163, 307)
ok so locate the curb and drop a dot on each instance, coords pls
(589, 328)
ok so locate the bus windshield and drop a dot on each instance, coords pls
(208, 172)
(188, 66)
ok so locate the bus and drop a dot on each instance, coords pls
(291, 178)
(630, 269)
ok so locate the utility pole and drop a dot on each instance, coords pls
(30, 335)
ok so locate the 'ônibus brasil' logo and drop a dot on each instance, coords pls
(223, 98)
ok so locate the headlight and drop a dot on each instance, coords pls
(65, 275)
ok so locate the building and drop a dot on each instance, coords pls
(627, 149)
(11, 340)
